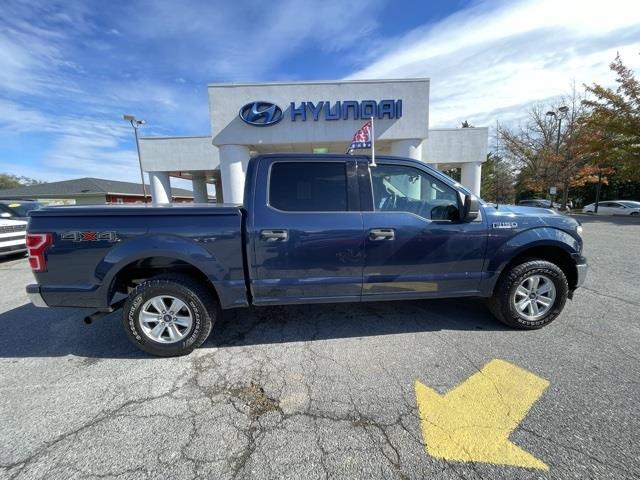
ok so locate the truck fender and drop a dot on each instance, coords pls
(523, 241)
(169, 246)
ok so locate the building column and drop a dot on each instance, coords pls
(217, 181)
(411, 148)
(470, 176)
(160, 187)
(199, 185)
(233, 168)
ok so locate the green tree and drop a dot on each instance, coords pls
(544, 149)
(12, 181)
(498, 180)
(613, 126)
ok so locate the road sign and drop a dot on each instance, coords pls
(472, 422)
(553, 190)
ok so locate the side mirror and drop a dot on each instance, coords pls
(471, 208)
(5, 215)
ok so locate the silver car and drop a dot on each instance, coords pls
(614, 207)
(12, 237)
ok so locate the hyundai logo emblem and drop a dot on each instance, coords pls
(261, 114)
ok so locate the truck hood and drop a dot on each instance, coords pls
(517, 218)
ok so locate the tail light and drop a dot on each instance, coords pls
(37, 243)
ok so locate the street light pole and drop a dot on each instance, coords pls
(135, 123)
(559, 116)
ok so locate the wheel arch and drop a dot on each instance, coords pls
(555, 252)
(141, 269)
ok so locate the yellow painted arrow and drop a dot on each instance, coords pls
(472, 422)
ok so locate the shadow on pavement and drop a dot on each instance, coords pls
(13, 256)
(28, 331)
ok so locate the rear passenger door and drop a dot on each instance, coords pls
(307, 233)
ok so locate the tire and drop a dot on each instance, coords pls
(506, 294)
(196, 312)
(634, 214)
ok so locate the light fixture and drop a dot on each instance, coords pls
(135, 123)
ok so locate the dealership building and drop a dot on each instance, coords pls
(307, 117)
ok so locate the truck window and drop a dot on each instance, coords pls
(406, 189)
(308, 186)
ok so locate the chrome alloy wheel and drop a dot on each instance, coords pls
(165, 319)
(534, 297)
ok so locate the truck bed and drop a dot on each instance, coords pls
(92, 244)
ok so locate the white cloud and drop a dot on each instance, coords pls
(492, 60)
(66, 78)
(246, 40)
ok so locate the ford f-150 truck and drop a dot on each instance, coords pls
(312, 229)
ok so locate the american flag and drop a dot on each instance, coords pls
(362, 138)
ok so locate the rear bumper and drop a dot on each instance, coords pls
(35, 297)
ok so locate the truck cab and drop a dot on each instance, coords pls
(332, 229)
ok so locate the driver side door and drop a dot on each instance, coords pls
(416, 246)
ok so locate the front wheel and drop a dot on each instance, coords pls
(530, 295)
(169, 315)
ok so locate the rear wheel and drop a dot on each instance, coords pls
(530, 295)
(169, 315)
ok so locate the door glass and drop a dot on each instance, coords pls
(407, 189)
(308, 187)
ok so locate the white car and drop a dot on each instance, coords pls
(12, 237)
(614, 207)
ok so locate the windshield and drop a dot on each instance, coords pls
(631, 204)
(21, 209)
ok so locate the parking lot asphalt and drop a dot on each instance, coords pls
(326, 391)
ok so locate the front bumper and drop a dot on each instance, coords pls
(581, 269)
(35, 297)
(582, 273)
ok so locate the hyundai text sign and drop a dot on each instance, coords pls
(263, 114)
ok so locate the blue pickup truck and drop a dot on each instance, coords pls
(312, 229)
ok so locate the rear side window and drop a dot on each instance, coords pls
(308, 187)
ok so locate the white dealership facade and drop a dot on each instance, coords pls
(306, 117)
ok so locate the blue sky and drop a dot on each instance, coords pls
(70, 69)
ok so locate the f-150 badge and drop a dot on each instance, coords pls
(90, 236)
(501, 225)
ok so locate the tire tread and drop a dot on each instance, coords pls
(499, 303)
(173, 280)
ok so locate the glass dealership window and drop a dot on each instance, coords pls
(308, 187)
(407, 189)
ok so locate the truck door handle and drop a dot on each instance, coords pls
(274, 235)
(377, 234)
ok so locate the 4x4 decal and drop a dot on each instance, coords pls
(90, 236)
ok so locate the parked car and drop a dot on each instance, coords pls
(539, 203)
(12, 237)
(614, 207)
(17, 209)
(313, 229)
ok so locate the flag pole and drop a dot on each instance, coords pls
(373, 145)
